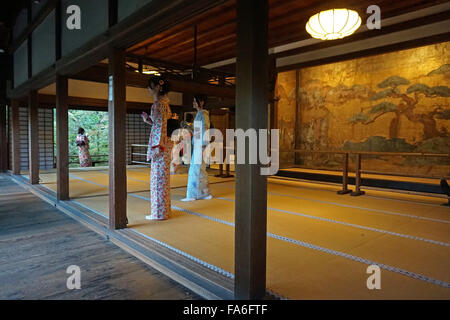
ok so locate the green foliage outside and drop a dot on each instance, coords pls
(95, 124)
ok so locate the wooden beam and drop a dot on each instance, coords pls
(113, 12)
(117, 110)
(298, 118)
(185, 86)
(30, 58)
(62, 138)
(272, 68)
(15, 137)
(33, 137)
(3, 140)
(29, 42)
(443, 37)
(93, 104)
(251, 186)
(58, 31)
(385, 30)
(99, 73)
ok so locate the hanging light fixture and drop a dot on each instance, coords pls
(333, 24)
(155, 72)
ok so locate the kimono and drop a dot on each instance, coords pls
(83, 151)
(198, 186)
(160, 161)
(186, 150)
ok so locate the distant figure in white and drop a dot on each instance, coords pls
(198, 186)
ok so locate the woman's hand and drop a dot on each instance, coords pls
(146, 117)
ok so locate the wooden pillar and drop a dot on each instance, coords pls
(3, 141)
(227, 162)
(58, 30)
(33, 137)
(112, 12)
(358, 191)
(117, 140)
(298, 120)
(345, 188)
(15, 137)
(272, 85)
(62, 139)
(251, 186)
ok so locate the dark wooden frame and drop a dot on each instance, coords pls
(33, 137)
(3, 139)
(62, 137)
(15, 137)
(117, 110)
(251, 186)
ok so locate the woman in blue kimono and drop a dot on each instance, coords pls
(198, 186)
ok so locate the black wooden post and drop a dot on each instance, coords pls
(33, 137)
(345, 188)
(358, 191)
(251, 186)
(117, 140)
(15, 137)
(62, 137)
(3, 140)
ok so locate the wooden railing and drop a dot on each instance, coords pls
(345, 168)
(359, 171)
(133, 148)
(73, 159)
(133, 153)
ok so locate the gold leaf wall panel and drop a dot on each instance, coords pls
(393, 102)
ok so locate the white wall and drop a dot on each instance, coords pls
(88, 89)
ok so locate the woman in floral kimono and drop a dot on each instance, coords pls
(198, 186)
(82, 142)
(159, 149)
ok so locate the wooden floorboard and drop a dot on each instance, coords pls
(38, 243)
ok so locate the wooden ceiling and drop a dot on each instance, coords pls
(216, 29)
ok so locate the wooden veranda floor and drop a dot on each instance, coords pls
(38, 243)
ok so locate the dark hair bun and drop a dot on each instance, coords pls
(162, 82)
(200, 97)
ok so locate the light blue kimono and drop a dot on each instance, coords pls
(198, 186)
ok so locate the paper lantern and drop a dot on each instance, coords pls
(333, 24)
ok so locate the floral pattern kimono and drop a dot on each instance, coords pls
(160, 161)
(83, 151)
(198, 186)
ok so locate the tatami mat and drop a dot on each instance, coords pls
(319, 243)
